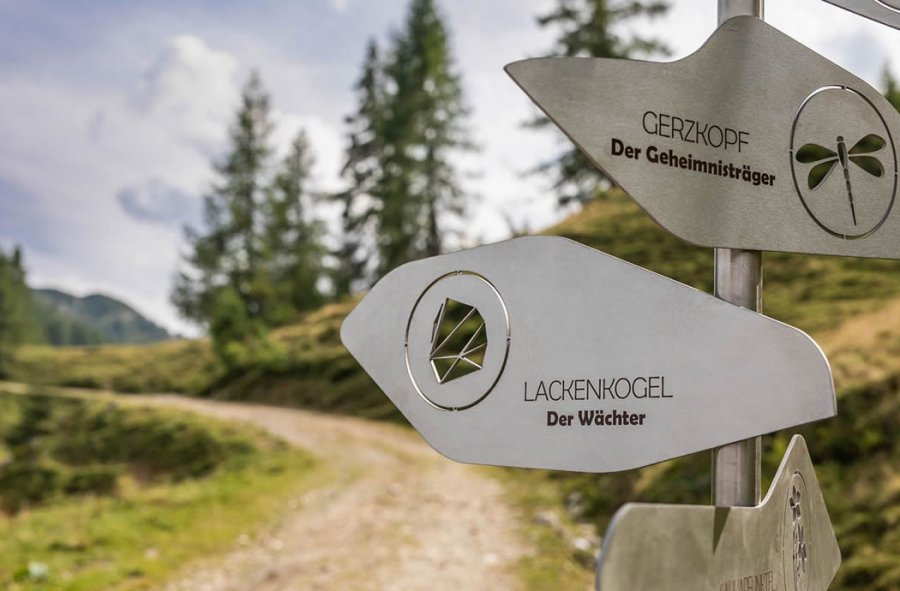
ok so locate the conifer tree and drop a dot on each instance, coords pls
(293, 238)
(409, 124)
(362, 169)
(229, 253)
(256, 262)
(17, 321)
(592, 28)
(426, 112)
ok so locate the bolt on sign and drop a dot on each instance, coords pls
(784, 544)
(884, 11)
(541, 352)
(753, 142)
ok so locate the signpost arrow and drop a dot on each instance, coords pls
(541, 352)
(786, 543)
(884, 11)
(753, 142)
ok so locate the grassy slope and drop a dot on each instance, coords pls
(160, 517)
(314, 371)
(172, 366)
(852, 306)
(813, 293)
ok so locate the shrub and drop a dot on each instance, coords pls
(66, 446)
(24, 484)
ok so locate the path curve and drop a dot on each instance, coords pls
(398, 516)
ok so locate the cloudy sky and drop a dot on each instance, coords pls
(111, 113)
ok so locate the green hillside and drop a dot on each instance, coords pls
(88, 485)
(814, 293)
(852, 307)
(91, 320)
(313, 369)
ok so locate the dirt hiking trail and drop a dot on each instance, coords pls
(398, 516)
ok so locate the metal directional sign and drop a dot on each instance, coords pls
(752, 142)
(883, 11)
(540, 352)
(785, 544)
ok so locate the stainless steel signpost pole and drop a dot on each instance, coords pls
(738, 279)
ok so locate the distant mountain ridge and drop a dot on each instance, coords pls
(92, 320)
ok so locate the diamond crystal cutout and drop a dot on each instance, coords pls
(458, 341)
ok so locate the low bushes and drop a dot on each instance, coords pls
(65, 446)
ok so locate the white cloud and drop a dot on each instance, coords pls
(91, 160)
(190, 90)
(157, 202)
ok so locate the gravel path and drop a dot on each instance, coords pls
(398, 516)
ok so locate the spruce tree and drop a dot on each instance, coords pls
(362, 169)
(17, 320)
(293, 238)
(408, 126)
(257, 261)
(227, 253)
(593, 28)
(425, 114)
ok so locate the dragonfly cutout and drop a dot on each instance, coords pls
(800, 554)
(458, 341)
(825, 160)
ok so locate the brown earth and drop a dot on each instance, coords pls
(396, 515)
